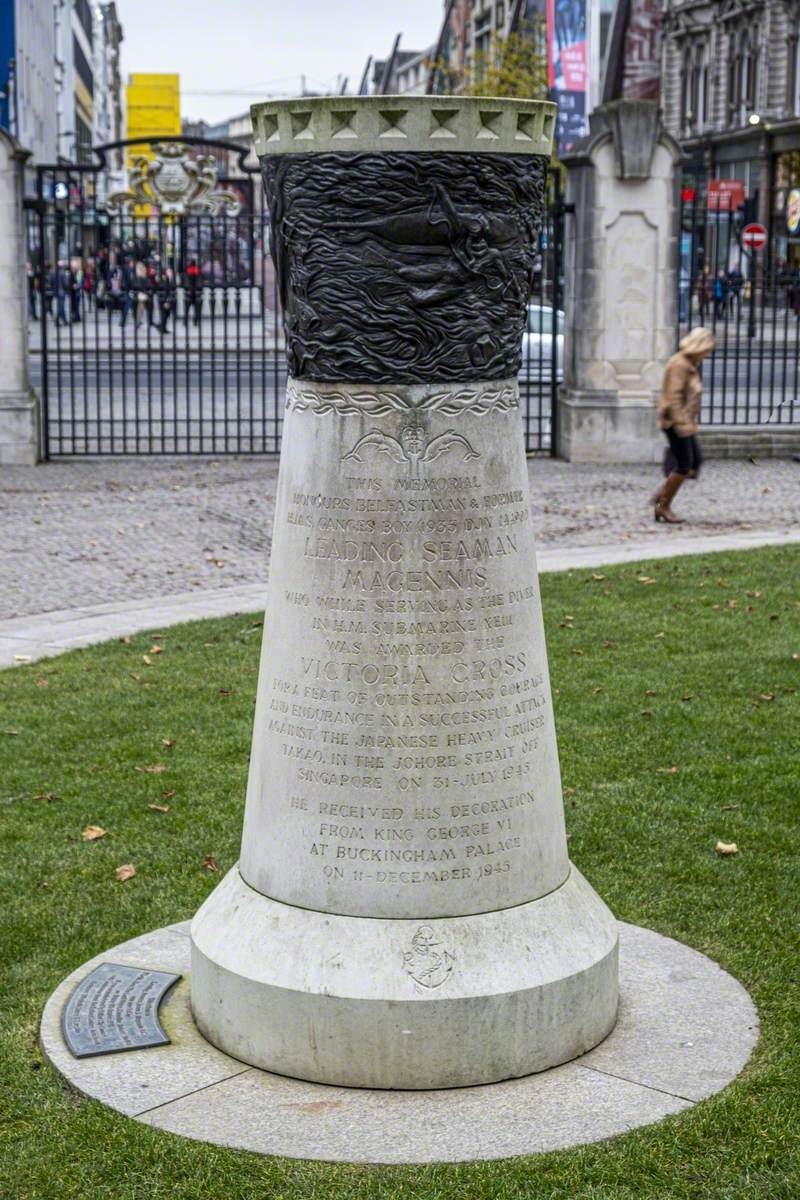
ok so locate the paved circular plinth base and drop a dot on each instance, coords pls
(685, 1030)
(373, 1002)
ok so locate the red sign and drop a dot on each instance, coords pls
(754, 236)
(725, 195)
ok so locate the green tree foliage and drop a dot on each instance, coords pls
(513, 67)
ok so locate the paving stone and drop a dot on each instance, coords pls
(88, 532)
(686, 1029)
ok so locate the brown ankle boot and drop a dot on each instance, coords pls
(662, 511)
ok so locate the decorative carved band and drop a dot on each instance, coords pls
(478, 125)
(495, 397)
(410, 267)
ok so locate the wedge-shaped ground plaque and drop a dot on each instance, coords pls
(116, 1008)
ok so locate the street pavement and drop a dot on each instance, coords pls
(113, 531)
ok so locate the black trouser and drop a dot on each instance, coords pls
(686, 452)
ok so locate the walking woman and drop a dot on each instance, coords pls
(679, 417)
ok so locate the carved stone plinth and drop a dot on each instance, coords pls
(404, 914)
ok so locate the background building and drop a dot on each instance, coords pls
(153, 108)
(27, 90)
(727, 75)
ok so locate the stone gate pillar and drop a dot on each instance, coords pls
(621, 266)
(404, 913)
(19, 417)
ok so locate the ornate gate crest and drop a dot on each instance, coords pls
(175, 184)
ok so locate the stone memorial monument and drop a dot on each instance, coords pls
(404, 914)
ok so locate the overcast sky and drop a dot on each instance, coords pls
(264, 46)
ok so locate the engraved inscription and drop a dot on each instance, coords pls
(404, 725)
(116, 1008)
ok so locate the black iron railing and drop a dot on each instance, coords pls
(160, 333)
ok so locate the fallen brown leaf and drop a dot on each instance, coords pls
(645, 712)
(650, 692)
(148, 662)
(126, 641)
(168, 742)
(211, 864)
(645, 579)
(12, 732)
(155, 769)
(47, 796)
(226, 691)
(127, 871)
(22, 658)
(42, 683)
(93, 833)
(726, 849)
(597, 578)
(729, 807)
(168, 795)
(666, 770)
(162, 808)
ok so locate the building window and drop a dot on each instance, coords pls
(84, 14)
(83, 141)
(742, 75)
(794, 74)
(84, 71)
(695, 75)
(500, 16)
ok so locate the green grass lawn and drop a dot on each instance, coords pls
(679, 724)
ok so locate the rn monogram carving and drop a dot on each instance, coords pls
(428, 962)
(404, 267)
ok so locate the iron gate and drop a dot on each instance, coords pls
(155, 324)
(750, 299)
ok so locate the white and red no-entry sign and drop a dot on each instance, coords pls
(754, 236)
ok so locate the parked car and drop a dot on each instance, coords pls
(537, 345)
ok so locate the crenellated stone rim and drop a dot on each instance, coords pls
(359, 124)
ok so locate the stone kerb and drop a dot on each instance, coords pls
(19, 423)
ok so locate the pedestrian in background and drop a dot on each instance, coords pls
(704, 287)
(75, 288)
(194, 290)
(720, 295)
(34, 287)
(679, 417)
(166, 297)
(142, 289)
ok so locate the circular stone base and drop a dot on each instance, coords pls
(371, 1002)
(685, 1030)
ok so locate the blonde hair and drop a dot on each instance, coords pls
(697, 341)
